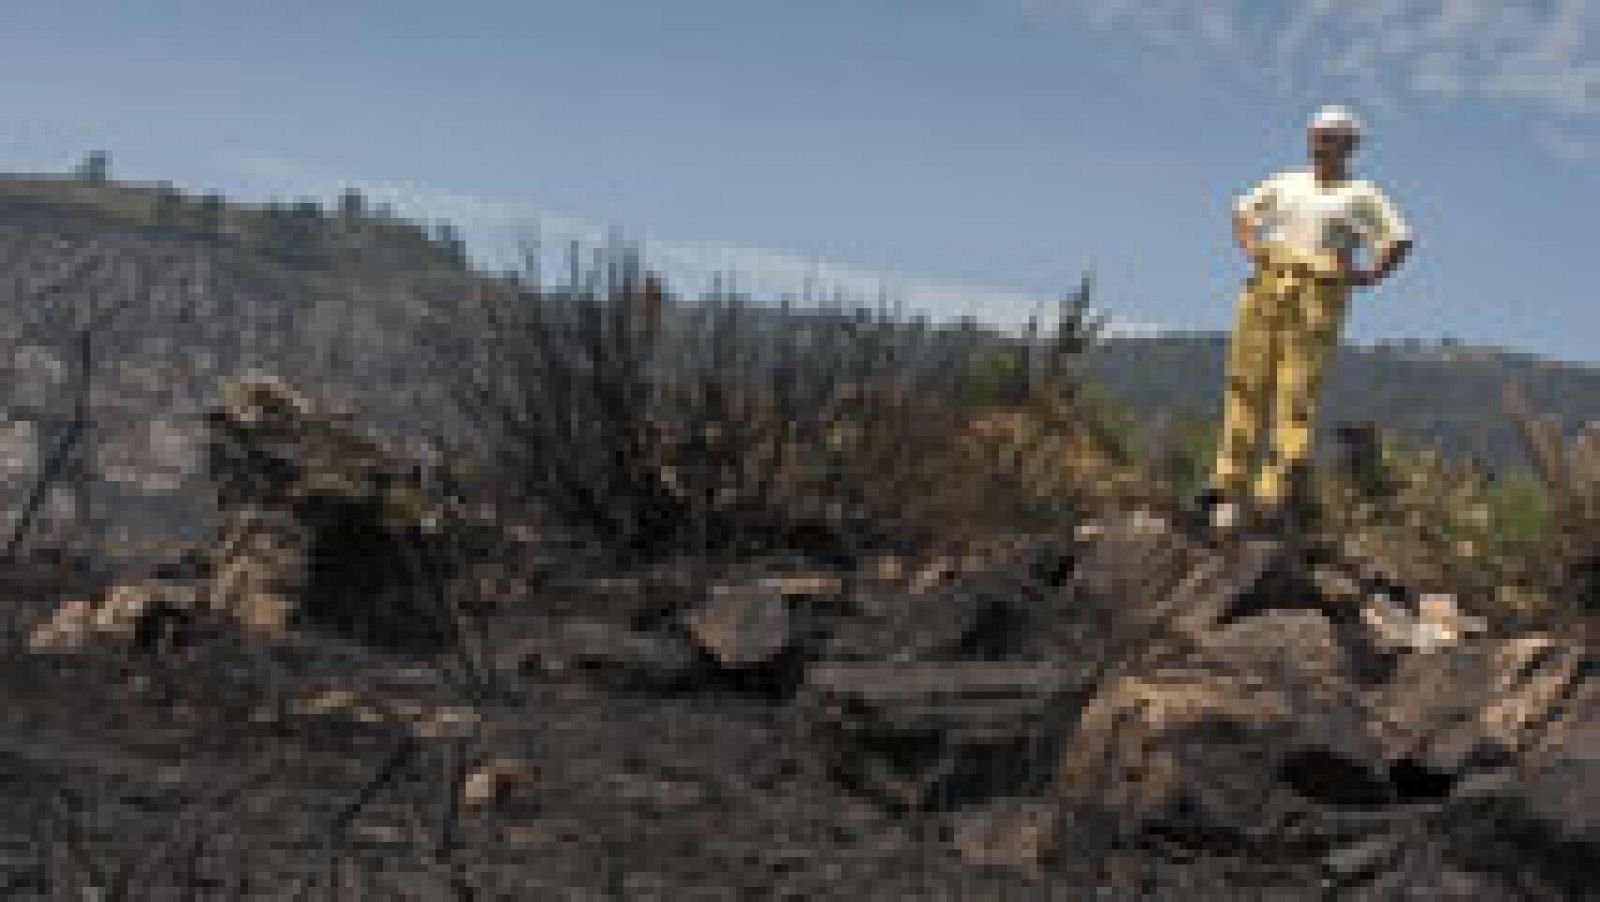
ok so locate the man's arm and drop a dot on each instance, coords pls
(1247, 232)
(1247, 216)
(1389, 256)
(1382, 224)
(1245, 228)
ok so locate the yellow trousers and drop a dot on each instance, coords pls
(1286, 328)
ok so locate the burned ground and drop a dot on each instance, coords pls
(607, 761)
(329, 673)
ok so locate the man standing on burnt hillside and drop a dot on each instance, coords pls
(1302, 229)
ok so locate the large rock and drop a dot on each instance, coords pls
(747, 623)
(1010, 833)
(129, 616)
(1148, 583)
(1527, 707)
(1205, 742)
(272, 444)
(928, 622)
(920, 734)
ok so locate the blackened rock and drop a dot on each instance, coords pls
(916, 735)
(616, 656)
(741, 625)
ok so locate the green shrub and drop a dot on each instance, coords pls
(1520, 508)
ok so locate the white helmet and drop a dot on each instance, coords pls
(1337, 117)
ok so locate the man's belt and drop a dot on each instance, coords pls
(1290, 263)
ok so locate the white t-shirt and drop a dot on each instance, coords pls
(1295, 210)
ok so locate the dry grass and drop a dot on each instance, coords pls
(1570, 473)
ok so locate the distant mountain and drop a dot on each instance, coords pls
(1444, 394)
(299, 234)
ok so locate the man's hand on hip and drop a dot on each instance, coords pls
(1362, 277)
(1388, 258)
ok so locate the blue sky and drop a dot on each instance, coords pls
(974, 156)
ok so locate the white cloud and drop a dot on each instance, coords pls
(1171, 23)
(1543, 57)
(500, 231)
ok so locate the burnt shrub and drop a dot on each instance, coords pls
(655, 425)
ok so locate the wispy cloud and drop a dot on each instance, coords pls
(499, 231)
(1538, 57)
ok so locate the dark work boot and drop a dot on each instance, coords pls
(1292, 518)
(1301, 513)
(1271, 519)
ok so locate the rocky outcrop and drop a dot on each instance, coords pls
(320, 521)
(1272, 736)
(317, 524)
